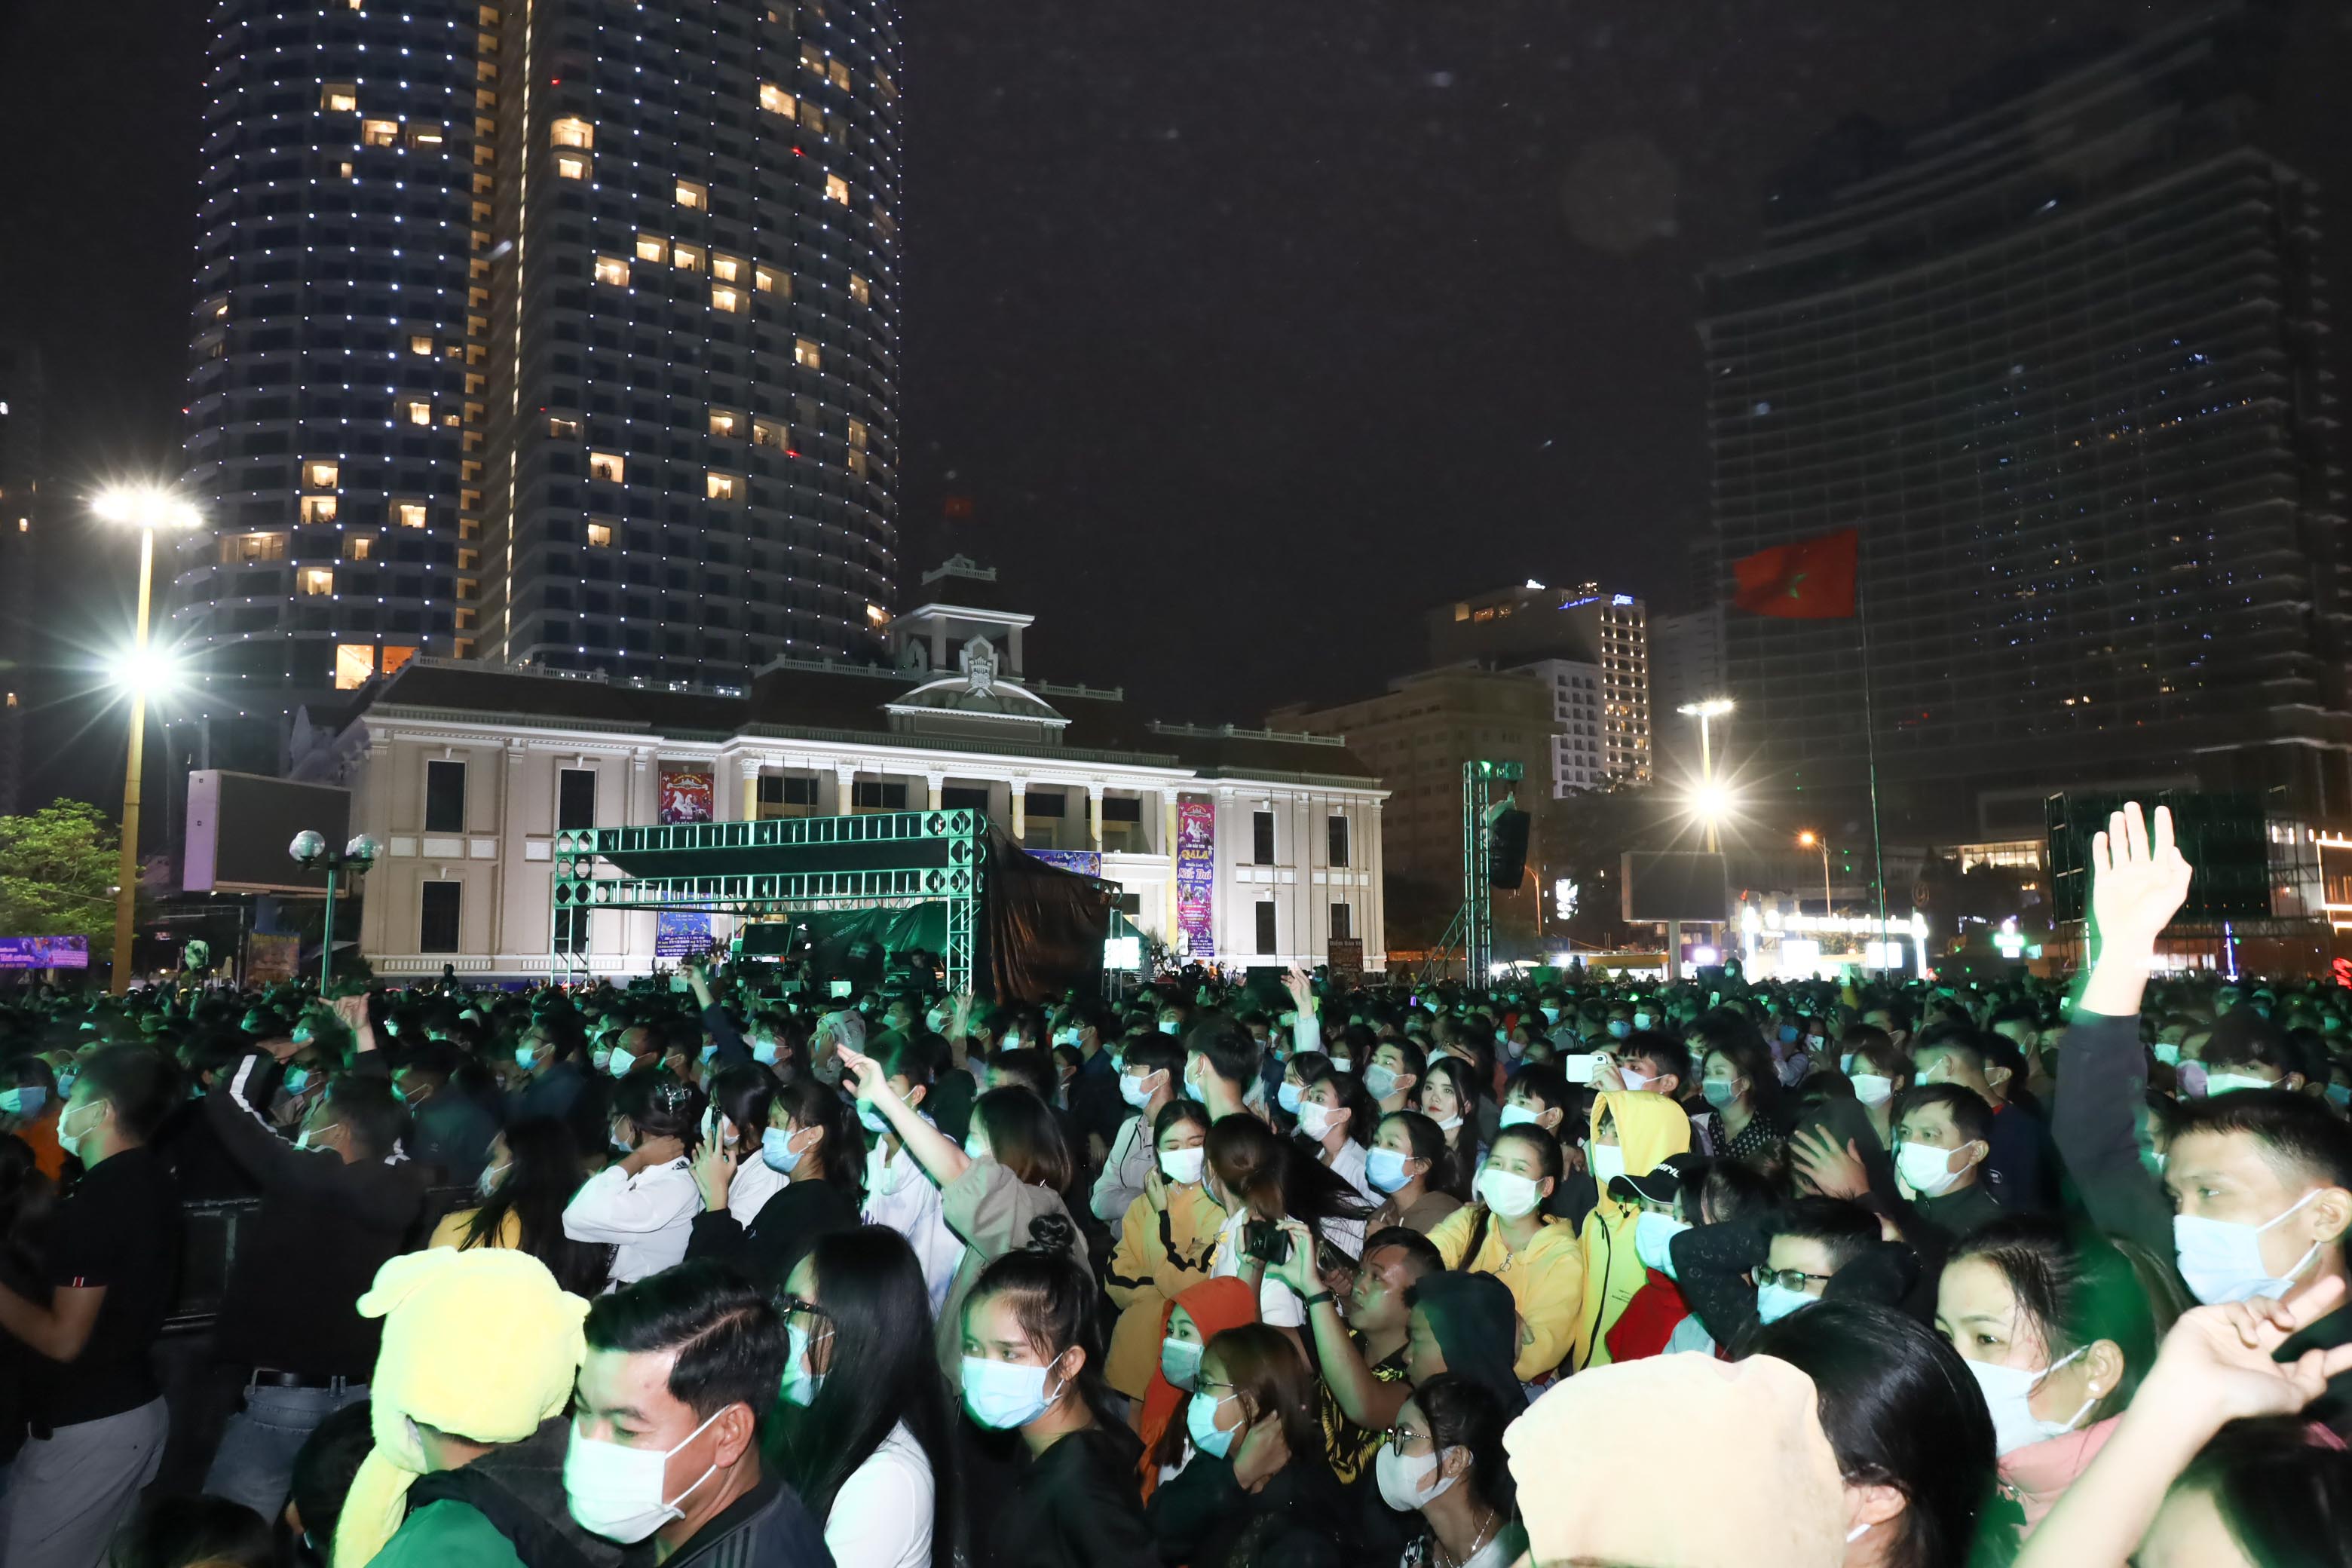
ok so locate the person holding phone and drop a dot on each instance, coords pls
(1259, 1180)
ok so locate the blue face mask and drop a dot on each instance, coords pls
(66, 1081)
(1201, 1425)
(1002, 1394)
(1619, 1027)
(1788, 1034)
(1289, 1096)
(800, 1384)
(765, 1052)
(2337, 1093)
(1774, 1302)
(710, 1054)
(1384, 1168)
(525, 1055)
(296, 1079)
(775, 1148)
(25, 1101)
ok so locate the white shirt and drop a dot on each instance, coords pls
(755, 1183)
(881, 1515)
(646, 1217)
(900, 1195)
(1349, 1166)
(1277, 1303)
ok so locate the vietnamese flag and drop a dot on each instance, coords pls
(1810, 579)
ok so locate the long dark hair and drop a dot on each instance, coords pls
(1363, 1111)
(1466, 1414)
(2286, 1499)
(1901, 1410)
(741, 1093)
(542, 1174)
(1056, 1301)
(883, 1372)
(1278, 1177)
(2076, 1290)
(843, 1149)
(1737, 1040)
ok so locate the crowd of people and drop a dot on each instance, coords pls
(1680, 1275)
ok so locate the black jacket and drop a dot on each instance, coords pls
(1074, 1507)
(304, 1262)
(767, 1527)
(784, 1230)
(519, 1489)
(1301, 1518)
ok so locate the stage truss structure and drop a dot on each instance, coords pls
(883, 859)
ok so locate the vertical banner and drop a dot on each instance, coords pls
(687, 795)
(1196, 877)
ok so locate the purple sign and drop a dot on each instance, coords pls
(1196, 876)
(1084, 862)
(681, 934)
(44, 952)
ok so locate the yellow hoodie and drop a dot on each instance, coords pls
(1544, 1281)
(1650, 1128)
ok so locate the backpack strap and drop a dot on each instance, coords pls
(534, 1538)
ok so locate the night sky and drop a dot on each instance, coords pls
(1250, 330)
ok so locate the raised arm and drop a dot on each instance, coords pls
(939, 1158)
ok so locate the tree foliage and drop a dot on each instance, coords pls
(56, 874)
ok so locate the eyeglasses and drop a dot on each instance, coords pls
(793, 1306)
(1400, 1433)
(1788, 1278)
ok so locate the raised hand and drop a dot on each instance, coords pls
(2139, 879)
(1836, 1173)
(2215, 1366)
(714, 1173)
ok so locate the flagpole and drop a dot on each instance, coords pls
(1870, 745)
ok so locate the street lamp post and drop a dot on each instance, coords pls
(1712, 708)
(146, 508)
(1809, 839)
(311, 852)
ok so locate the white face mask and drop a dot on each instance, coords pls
(616, 1492)
(1314, 1120)
(1402, 1479)
(1873, 1089)
(1608, 1164)
(1182, 1166)
(2222, 1260)
(1508, 1193)
(2008, 1393)
(1926, 1169)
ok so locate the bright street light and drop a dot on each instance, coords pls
(1713, 708)
(146, 508)
(145, 671)
(1808, 839)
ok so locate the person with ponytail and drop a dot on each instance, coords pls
(1259, 1179)
(1030, 1361)
(1443, 1460)
(1010, 1173)
(863, 1432)
(810, 1139)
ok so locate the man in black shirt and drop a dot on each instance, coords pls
(335, 1204)
(98, 1421)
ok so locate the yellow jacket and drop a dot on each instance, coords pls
(1150, 1268)
(1546, 1280)
(1650, 1128)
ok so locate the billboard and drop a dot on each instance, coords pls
(239, 825)
(1196, 877)
(1084, 862)
(44, 952)
(680, 933)
(688, 795)
(1675, 885)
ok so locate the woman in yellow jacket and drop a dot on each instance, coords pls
(1165, 1245)
(1506, 1234)
(1633, 1132)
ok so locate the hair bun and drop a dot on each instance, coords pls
(1052, 1235)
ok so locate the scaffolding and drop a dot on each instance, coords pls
(890, 860)
(1473, 927)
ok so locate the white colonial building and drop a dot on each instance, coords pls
(465, 772)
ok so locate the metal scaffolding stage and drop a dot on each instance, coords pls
(783, 865)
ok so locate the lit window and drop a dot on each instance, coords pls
(775, 100)
(569, 166)
(727, 268)
(858, 434)
(859, 291)
(315, 581)
(321, 475)
(424, 138)
(857, 463)
(719, 487)
(563, 429)
(767, 434)
(600, 534)
(408, 513)
(317, 509)
(836, 189)
(612, 269)
(804, 353)
(652, 248)
(379, 133)
(573, 132)
(690, 195)
(421, 344)
(839, 72)
(340, 97)
(242, 547)
(723, 422)
(813, 58)
(725, 299)
(358, 547)
(763, 279)
(355, 663)
(344, 169)
(608, 466)
(688, 256)
(418, 413)
(393, 658)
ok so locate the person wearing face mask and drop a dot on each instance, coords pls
(1444, 1461)
(1742, 1088)
(2019, 1171)
(1450, 1096)
(108, 1253)
(1336, 1117)
(337, 1202)
(1199, 1313)
(2057, 1329)
(465, 1417)
(898, 1196)
(1942, 1133)
(1028, 1358)
(1506, 1234)
(862, 1431)
(642, 1205)
(1632, 1132)
(742, 1101)
(1662, 1199)
(681, 1370)
(533, 1170)
(1146, 1084)
(1763, 1266)
(1257, 1490)
(811, 1139)
(29, 1107)
(1221, 1062)
(1165, 1240)
(1412, 1169)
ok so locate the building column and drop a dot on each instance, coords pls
(844, 789)
(1375, 905)
(506, 923)
(936, 782)
(747, 799)
(1019, 788)
(1168, 851)
(1094, 818)
(643, 809)
(1226, 904)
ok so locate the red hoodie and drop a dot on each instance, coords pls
(1648, 1320)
